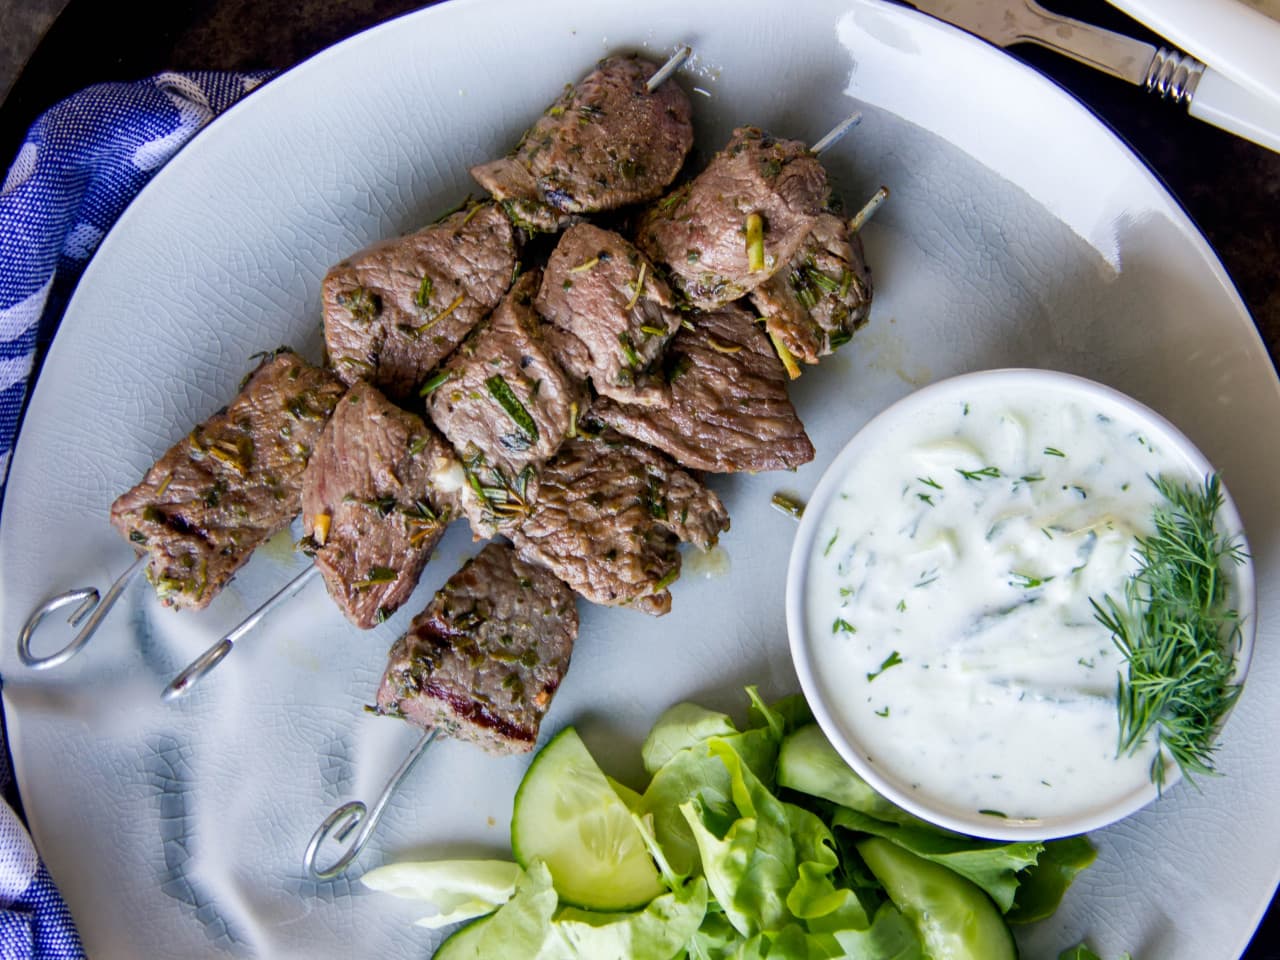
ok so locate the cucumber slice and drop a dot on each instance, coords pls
(567, 814)
(955, 919)
(464, 943)
(807, 762)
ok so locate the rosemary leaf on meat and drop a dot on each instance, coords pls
(453, 305)
(501, 391)
(630, 357)
(376, 575)
(785, 355)
(361, 304)
(382, 506)
(434, 383)
(423, 297)
(1177, 631)
(639, 286)
(755, 243)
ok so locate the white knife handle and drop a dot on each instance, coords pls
(1228, 105)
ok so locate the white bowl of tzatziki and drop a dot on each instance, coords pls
(940, 599)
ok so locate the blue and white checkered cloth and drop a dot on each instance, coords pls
(80, 165)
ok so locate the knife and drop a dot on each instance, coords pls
(1207, 94)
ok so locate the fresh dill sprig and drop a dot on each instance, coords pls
(1177, 631)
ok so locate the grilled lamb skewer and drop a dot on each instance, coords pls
(230, 484)
(725, 407)
(484, 659)
(394, 310)
(376, 497)
(610, 313)
(607, 516)
(608, 141)
(481, 663)
(502, 400)
(815, 303)
(739, 221)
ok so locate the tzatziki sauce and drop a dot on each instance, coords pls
(948, 592)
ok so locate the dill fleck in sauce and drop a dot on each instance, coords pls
(949, 598)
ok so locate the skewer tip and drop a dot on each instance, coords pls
(664, 72)
(859, 219)
(836, 133)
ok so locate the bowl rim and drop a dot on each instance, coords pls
(873, 431)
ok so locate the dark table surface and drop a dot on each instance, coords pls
(1230, 187)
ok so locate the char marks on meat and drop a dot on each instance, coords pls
(610, 314)
(231, 483)
(485, 658)
(376, 498)
(816, 302)
(396, 309)
(699, 231)
(608, 517)
(606, 142)
(726, 407)
(502, 400)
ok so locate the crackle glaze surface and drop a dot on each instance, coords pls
(1019, 233)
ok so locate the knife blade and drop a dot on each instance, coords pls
(1208, 95)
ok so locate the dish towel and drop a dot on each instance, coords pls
(80, 165)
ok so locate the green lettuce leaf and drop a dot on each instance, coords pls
(716, 939)
(680, 727)
(792, 942)
(519, 928)
(749, 862)
(658, 932)
(698, 774)
(814, 894)
(781, 718)
(890, 936)
(458, 889)
(990, 864)
(1041, 887)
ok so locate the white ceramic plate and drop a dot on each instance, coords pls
(1019, 233)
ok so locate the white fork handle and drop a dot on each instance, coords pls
(1228, 105)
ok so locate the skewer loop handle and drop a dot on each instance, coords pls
(88, 604)
(341, 822)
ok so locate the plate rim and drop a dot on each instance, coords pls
(299, 73)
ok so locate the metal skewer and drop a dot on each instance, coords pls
(859, 219)
(89, 606)
(664, 72)
(339, 824)
(195, 671)
(836, 134)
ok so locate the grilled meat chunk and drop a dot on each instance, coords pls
(494, 501)
(608, 517)
(231, 483)
(376, 497)
(815, 303)
(483, 661)
(700, 232)
(502, 400)
(610, 314)
(394, 310)
(606, 142)
(726, 407)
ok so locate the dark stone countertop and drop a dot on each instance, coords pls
(1230, 188)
